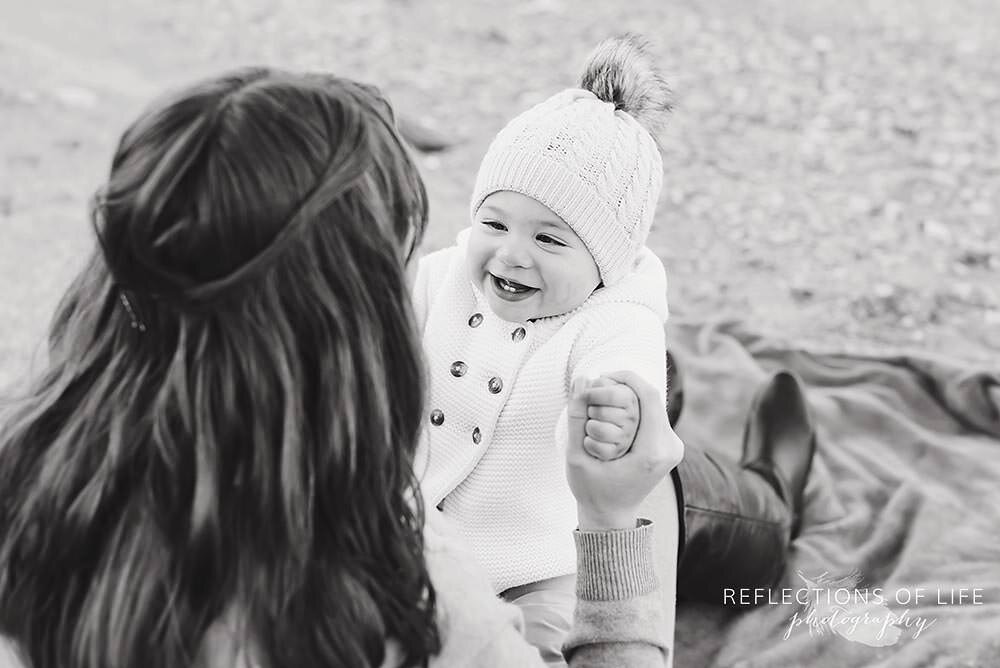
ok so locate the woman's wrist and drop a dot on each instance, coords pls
(591, 520)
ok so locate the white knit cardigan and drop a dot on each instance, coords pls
(492, 452)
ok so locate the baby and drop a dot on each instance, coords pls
(552, 284)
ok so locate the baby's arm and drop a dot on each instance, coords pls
(431, 272)
(420, 292)
(632, 340)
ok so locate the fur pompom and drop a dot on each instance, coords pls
(621, 70)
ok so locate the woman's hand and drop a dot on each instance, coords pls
(608, 493)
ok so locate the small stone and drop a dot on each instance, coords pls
(932, 229)
(941, 158)
(962, 160)
(821, 43)
(68, 144)
(963, 291)
(498, 36)
(892, 210)
(884, 290)
(801, 294)
(24, 159)
(75, 97)
(975, 258)
(981, 208)
(858, 203)
(27, 97)
(967, 46)
(539, 7)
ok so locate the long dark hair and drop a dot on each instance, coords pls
(233, 395)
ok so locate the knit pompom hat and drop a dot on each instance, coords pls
(589, 154)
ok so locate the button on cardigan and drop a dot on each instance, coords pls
(495, 464)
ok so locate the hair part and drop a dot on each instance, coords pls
(251, 451)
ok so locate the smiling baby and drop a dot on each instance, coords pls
(551, 283)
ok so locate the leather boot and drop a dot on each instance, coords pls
(779, 441)
(736, 525)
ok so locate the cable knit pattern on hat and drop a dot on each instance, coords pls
(489, 456)
(593, 165)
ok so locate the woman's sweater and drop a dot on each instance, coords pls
(493, 455)
(619, 618)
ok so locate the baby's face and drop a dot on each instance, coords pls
(527, 261)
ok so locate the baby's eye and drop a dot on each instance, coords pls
(546, 239)
(494, 225)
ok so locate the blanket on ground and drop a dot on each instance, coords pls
(904, 496)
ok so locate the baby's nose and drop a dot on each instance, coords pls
(514, 255)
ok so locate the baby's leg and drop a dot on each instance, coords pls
(547, 607)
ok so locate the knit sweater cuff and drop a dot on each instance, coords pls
(615, 565)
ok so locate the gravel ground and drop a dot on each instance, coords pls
(833, 168)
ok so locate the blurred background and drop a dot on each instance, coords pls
(832, 168)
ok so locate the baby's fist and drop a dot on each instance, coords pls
(612, 419)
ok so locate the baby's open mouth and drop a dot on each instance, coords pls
(510, 289)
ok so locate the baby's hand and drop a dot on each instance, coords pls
(612, 419)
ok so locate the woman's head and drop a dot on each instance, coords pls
(249, 448)
(208, 189)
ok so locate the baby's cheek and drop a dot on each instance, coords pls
(570, 295)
